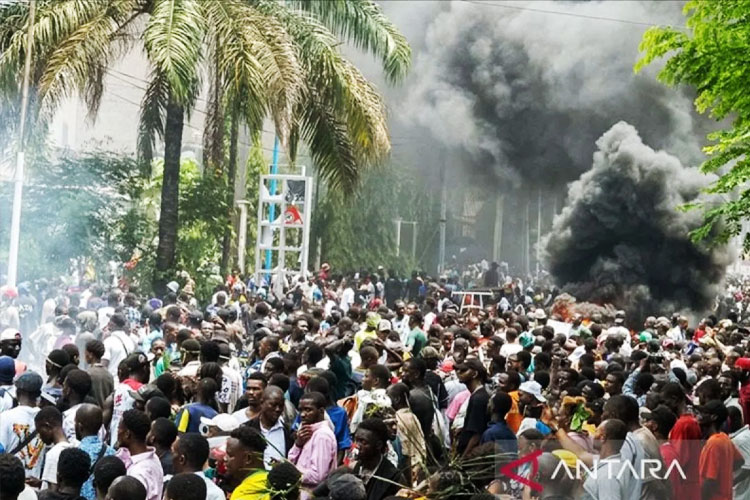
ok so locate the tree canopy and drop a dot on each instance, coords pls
(711, 54)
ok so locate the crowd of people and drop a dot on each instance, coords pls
(371, 387)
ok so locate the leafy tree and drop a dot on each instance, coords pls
(710, 54)
(357, 229)
(268, 58)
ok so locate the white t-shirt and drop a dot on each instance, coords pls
(231, 387)
(104, 314)
(347, 299)
(116, 348)
(213, 492)
(6, 401)
(15, 426)
(123, 402)
(240, 416)
(509, 349)
(51, 457)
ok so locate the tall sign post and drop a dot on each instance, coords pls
(283, 236)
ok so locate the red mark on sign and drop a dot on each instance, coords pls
(507, 470)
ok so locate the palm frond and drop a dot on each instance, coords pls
(213, 127)
(79, 61)
(329, 142)
(173, 40)
(54, 21)
(363, 23)
(153, 112)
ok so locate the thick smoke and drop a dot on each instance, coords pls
(621, 238)
(521, 95)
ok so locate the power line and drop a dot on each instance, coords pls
(111, 72)
(560, 13)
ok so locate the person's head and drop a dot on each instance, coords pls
(660, 421)
(162, 434)
(272, 404)
(126, 488)
(727, 384)
(76, 387)
(55, 362)
(711, 416)
(137, 367)
(709, 390)
(610, 436)
(189, 452)
(273, 366)
(399, 395)
(12, 476)
(105, 472)
(254, 387)
(369, 356)
(186, 486)
(509, 381)
(29, 387)
(501, 404)
(94, 351)
(371, 439)
(158, 407)
(7, 370)
(133, 429)
(312, 406)
(88, 420)
(529, 441)
(376, 377)
(414, 372)
(269, 344)
(10, 342)
(48, 422)
(471, 371)
(285, 479)
(622, 407)
(73, 468)
(245, 448)
(190, 350)
(591, 390)
(210, 352)
(613, 383)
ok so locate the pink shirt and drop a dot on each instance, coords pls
(318, 455)
(146, 468)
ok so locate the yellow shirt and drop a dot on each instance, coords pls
(254, 487)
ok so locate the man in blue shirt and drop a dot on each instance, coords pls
(88, 421)
(498, 431)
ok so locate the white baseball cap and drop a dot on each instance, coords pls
(533, 388)
(224, 421)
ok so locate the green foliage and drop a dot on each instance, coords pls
(75, 207)
(358, 229)
(711, 55)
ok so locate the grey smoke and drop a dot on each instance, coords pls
(621, 239)
(521, 96)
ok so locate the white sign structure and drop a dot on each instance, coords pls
(284, 210)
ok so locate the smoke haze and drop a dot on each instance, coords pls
(620, 238)
(520, 96)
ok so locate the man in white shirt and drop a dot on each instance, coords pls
(105, 313)
(347, 298)
(48, 423)
(17, 428)
(190, 351)
(614, 480)
(512, 346)
(270, 424)
(118, 345)
(189, 453)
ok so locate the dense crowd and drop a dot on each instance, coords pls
(368, 386)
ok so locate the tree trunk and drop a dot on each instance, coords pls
(170, 192)
(226, 244)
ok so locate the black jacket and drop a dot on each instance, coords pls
(376, 488)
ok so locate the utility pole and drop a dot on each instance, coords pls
(15, 224)
(538, 231)
(443, 215)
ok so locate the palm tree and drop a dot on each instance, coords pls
(266, 58)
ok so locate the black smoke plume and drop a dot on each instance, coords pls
(621, 238)
(520, 96)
